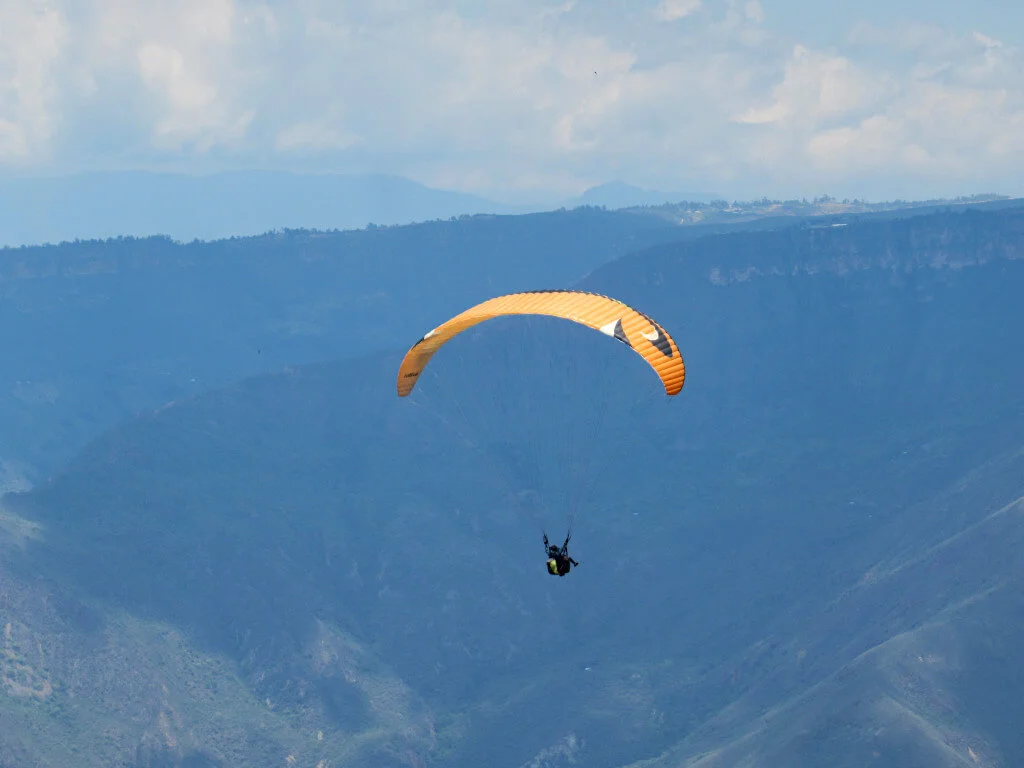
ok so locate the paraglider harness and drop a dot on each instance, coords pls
(559, 561)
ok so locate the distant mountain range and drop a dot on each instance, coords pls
(810, 557)
(93, 332)
(618, 194)
(111, 204)
(99, 205)
(205, 314)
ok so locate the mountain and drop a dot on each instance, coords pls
(98, 205)
(95, 332)
(618, 194)
(810, 557)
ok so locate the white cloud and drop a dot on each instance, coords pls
(557, 10)
(507, 94)
(955, 118)
(933, 128)
(985, 40)
(32, 42)
(672, 10)
(817, 87)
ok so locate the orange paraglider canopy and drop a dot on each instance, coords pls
(610, 316)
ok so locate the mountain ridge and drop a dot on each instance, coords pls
(819, 443)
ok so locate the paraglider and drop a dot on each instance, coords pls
(601, 313)
(609, 316)
(559, 561)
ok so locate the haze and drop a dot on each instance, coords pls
(233, 534)
(527, 101)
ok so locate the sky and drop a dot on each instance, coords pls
(517, 99)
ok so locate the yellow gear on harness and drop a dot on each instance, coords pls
(553, 567)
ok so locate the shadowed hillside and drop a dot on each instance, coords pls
(807, 557)
(95, 332)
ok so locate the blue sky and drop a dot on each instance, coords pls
(518, 99)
